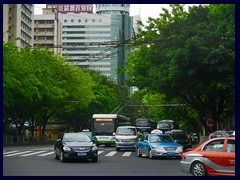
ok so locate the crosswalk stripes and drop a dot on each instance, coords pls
(47, 153)
(111, 153)
(100, 152)
(127, 154)
(30, 154)
(19, 153)
(9, 152)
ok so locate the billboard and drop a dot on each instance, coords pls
(71, 8)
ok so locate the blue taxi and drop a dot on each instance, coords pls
(158, 145)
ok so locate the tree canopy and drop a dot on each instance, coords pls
(188, 55)
(40, 86)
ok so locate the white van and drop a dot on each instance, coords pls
(126, 137)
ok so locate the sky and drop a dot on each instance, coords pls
(144, 10)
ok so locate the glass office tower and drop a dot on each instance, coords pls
(98, 40)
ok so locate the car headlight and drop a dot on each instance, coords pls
(66, 148)
(180, 148)
(94, 148)
(159, 149)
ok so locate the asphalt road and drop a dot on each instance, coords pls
(39, 160)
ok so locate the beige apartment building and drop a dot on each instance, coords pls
(48, 31)
(18, 24)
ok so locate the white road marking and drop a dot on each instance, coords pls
(99, 152)
(15, 154)
(127, 154)
(9, 152)
(44, 153)
(30, 154)
(111, 153)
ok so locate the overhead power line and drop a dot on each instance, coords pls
(160, 105)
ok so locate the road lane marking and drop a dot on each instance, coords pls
(99, 152)
(15, 154)
(127, 154)
(9, 152)
(30, 154)
(45, 154)
(111, 153)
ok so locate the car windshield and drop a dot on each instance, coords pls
(126, 131)
(87, 133)
(75, 137)
(159, 138)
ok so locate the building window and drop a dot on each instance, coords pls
(72, 20)
(79, 20)
(65, 20)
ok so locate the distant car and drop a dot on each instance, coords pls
(218, 134)
(215, 156)
(158, 145)
(91, 136)
(182, 139)
(75, 146)
(126, 137)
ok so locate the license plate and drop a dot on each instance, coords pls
(171, 152)
(126, 144)
(82, 154)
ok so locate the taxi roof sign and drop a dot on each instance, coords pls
(156, 131)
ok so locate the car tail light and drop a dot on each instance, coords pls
(182, 157)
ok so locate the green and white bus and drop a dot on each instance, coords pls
(104, 127)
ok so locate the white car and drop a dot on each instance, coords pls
(126, 137)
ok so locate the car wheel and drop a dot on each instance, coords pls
(62, 158)
(55, 154)
(138, 153)
(95, 159)
(117, 149)
(150, 155)
(198, 169)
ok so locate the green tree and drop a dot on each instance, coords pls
(38, 85)
(189, 56)
(107, 96)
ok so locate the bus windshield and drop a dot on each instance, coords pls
(103, 128)
(142, 123)
(165, 125)
(126, 131)
(145, 125)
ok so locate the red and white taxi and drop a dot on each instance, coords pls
(213, 157)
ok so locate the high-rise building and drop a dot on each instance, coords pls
(97, 41)
(48, 31)
(121, 33)
(18, 24)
